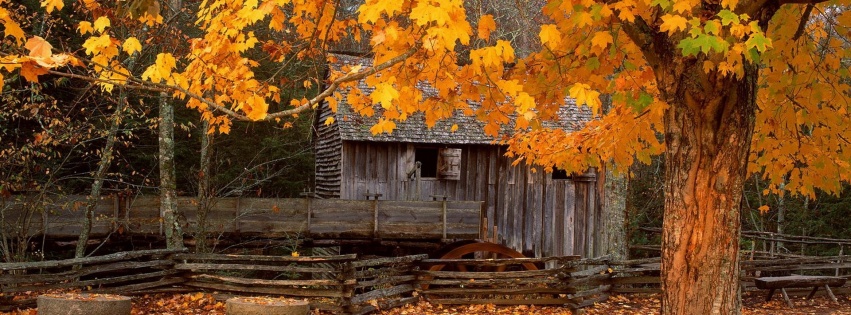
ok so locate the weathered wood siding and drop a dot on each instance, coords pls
(533, 213)
(327, 151)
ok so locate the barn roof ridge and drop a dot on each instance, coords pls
(470, 130)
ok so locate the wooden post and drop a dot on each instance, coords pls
(374, 197)
(841, 247)
(444, 218)
(238, 214)
(308, 195)
(375, 218)
(348, 281)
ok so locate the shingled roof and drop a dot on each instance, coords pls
(354, 127)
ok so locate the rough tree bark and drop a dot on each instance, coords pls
(614, 215)
(204, 193)
(97, 184)
(708, 129)
(708, 135)
(168, 184)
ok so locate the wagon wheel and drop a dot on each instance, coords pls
(489, 249)
(486, 248)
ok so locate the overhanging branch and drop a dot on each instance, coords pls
(138, 84)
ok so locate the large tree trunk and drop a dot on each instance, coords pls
(709, 126)
(168, 183)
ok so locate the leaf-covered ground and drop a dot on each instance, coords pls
(205, 304)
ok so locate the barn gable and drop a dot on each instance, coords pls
(524, 203)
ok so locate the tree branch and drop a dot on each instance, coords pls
(803, 24)
(139, 84)
(336, 83)
(642, 35)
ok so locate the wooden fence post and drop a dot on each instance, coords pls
(348, 282)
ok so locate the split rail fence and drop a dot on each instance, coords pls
(343, 284)
(349, 284)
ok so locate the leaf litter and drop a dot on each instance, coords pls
(630, 304)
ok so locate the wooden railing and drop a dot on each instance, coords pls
(267, 217)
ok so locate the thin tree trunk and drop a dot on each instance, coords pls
(781, 215)
(204, 193)
(614, 215)
(168, 184)
(708, 141)
(103, 165)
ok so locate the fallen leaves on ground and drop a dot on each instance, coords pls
(177, 304)
(633, 304)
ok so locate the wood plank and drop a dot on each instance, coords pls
(85, 271)
(382, 293)
(272, 283)
(541, 301)
(548, 244)
(95, 282)
(392, 280)
(305, 292)
(490, 197)
(201, 266)
(797, 282)
(466, 291)
(88, 260)
(266, 258)
(470, 283)
(488, 275)
(537, 212)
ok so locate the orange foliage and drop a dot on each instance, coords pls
(587, 49)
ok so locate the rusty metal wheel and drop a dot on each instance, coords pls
(485, 249)
(481, 249)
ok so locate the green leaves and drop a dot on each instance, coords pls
(703, 43)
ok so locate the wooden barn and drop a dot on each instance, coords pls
(537, 213)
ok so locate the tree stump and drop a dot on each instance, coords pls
(266, 306)
(83, 304)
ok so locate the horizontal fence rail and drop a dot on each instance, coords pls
(123, 272)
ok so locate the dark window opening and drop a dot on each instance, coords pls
(560, 173)
(428, 160)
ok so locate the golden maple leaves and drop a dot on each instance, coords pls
(586, 52)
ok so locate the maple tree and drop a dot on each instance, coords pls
(735, 86)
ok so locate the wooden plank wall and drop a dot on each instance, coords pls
(533, 213)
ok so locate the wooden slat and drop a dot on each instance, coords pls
(541, 301)
(266, 258)
(198, 266)
(266, 290)
(88, 260)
